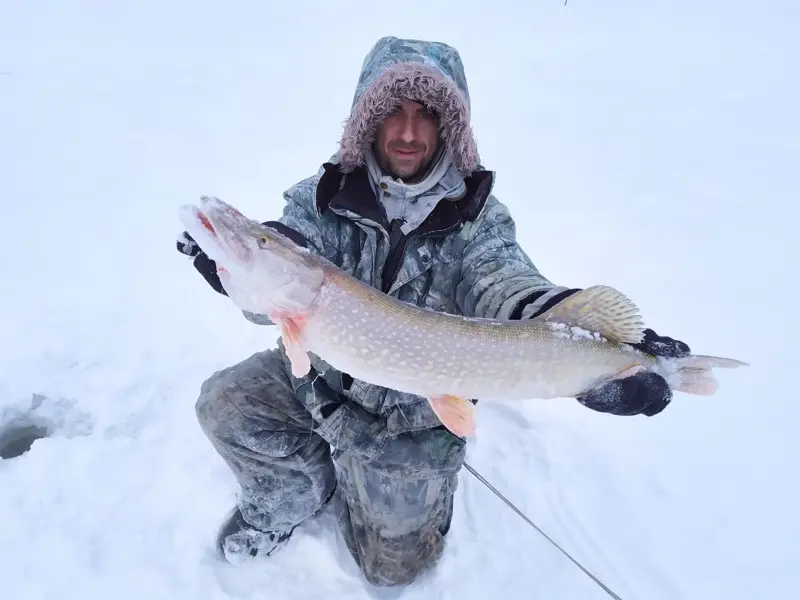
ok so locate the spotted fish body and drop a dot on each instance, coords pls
(376, 338)
(357, 329)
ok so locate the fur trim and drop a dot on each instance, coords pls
(410, 81)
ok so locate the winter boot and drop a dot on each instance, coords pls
(240, 542)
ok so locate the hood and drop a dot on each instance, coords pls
(400, 69)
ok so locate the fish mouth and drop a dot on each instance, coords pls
(204, 221)
(220, 230)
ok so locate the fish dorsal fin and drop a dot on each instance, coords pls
(599, 309)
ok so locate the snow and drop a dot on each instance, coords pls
(571, 332)
(650, 146)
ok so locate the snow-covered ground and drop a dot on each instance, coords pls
(653, 146)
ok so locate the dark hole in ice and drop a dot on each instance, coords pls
(16, 441)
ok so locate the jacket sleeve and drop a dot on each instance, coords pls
(299, 223)
(498, 280)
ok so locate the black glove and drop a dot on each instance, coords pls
(204, 265)
(645, 393)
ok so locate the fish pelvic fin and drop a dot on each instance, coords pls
(455, 413)
(599, 309)
(291, 332)
(693, 374)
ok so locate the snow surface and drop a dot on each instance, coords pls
(651, 146)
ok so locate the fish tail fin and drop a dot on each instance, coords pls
(693, 374)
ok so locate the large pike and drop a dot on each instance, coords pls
(446, 358)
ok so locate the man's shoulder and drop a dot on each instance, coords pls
(493, 213)
(304, 210)
(305, 190)
(315, 191)
(494, 207)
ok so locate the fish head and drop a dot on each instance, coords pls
(261, 270)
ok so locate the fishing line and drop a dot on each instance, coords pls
(482, 479)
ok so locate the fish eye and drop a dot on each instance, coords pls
(262, 241)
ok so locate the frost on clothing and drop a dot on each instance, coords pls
(395, 467)
(394, 498)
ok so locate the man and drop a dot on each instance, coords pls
(406, 207)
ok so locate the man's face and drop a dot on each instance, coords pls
(406, 141)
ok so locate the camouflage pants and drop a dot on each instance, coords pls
(394, 494)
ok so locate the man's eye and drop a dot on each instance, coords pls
(429, 114)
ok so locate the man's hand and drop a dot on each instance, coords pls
(644, 393)
(204, 265)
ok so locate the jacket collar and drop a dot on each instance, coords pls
(352, 192)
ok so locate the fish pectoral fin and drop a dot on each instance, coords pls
(455, 413)
(291, 329)
(599, 309)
